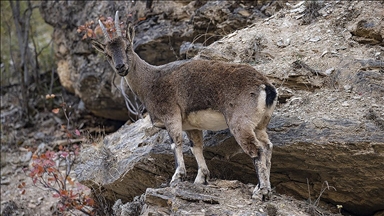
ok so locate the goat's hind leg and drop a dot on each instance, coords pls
(268, 146)
(262, 166)
(196, 138)
(245, 136)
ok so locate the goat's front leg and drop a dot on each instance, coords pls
(196, 138)
(175, 132)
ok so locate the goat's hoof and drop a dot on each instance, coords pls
(264, 193)
(267, 197)
(174, 183)
(175, 180)
(201, 180)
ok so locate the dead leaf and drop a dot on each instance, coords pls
(56, 110)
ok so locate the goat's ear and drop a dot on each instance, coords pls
(98, 46)
(130, 33)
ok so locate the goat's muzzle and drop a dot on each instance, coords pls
(121, 69)
(123, 72)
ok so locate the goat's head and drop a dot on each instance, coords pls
(116, 48)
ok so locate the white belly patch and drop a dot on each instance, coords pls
(205, 120)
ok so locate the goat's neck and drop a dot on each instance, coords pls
(140, 74)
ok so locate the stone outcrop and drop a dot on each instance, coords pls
(138, 157)
(327, 131)
(221, 197)
(368, 30)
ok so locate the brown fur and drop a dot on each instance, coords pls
(201, 89)
(200, 84)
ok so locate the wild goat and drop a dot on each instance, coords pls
(195, 95)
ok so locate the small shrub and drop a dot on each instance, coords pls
(46, 173)
(51, 170)
(313, 207)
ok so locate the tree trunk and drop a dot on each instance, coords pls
(22, 25)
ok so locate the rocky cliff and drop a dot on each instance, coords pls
(326, 60)
(167, 31)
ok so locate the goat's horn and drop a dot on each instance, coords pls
(105, 32)
(117, 24)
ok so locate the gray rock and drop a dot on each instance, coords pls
(315, 39)
(140, 157)
(368, 30)
(329, 71)
(283, 43)
(230, 198)
(26, 157)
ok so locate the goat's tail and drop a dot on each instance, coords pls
(271, 94)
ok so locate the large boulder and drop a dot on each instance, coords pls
(306, 155)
